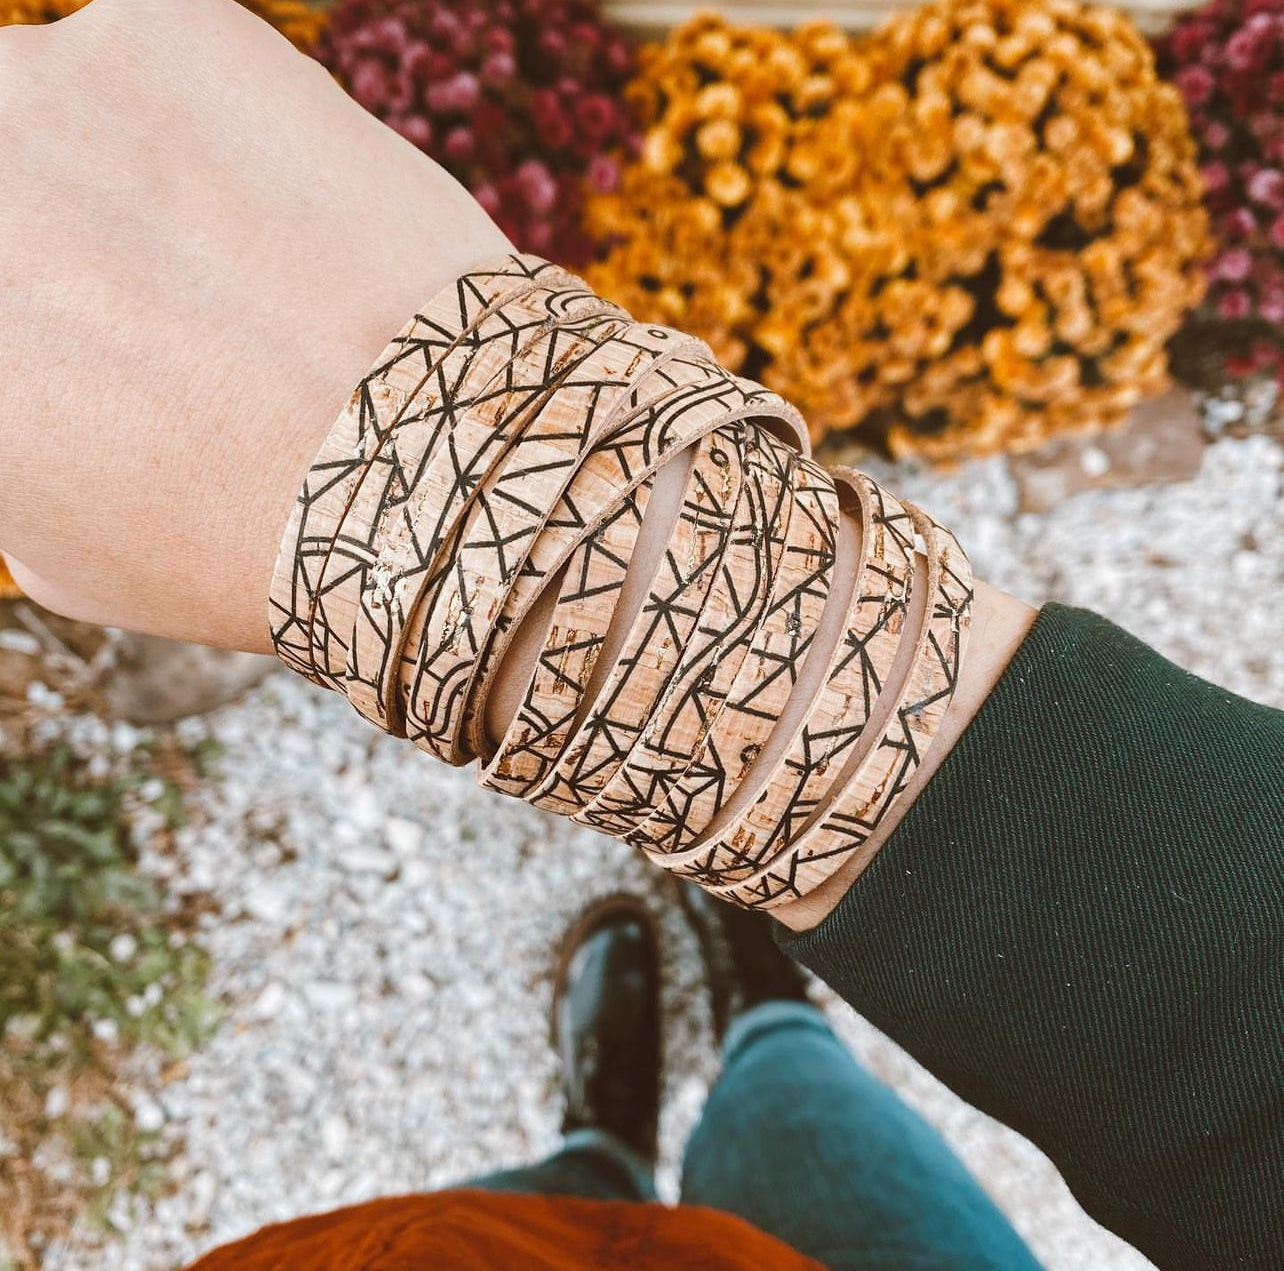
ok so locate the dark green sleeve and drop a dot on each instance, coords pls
(1079, 926)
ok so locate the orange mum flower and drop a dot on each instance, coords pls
(34, 12)
(298, 21)
(973, 230)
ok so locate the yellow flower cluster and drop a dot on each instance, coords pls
(300, 22)
(31, 12)
(970, 231)
(295, 19)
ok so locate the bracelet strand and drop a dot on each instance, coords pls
(741, 678)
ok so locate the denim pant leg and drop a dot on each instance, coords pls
(801, 1141)
(591, 1164)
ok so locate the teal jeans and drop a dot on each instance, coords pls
(802, 1142)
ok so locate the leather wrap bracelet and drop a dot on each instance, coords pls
(739, 676)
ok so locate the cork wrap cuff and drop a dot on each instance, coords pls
(508, 445)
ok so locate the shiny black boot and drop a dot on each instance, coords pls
(742, 961)
(606, 1023)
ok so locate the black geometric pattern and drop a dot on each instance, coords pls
(767, 679)
(592, 491)
(776, 803)
(701, 397)
(470, 432)
(865, 793)
(506, 446)
(578, 409)
(661, 630)
(590, 585)
(354, 444)
(359, 576)
(677, 724)
(463, 538)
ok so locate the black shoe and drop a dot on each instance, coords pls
(742, 961)
(606, 1023)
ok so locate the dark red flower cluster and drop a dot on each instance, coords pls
(1227, 59)
(519, 99)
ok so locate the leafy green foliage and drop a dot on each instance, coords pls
(84, 943)
(93, 962)
(119, 1157)
(205, 756)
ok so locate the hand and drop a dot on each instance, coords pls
(204, 244)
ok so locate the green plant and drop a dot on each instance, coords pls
(93, 963)
(118, 1156)
(83, 935)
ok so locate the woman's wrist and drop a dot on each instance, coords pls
(1000, 623)
(171, 460)
(302, 407)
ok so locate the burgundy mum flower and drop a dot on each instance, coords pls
(1235, 265)
(1196, 84)
(1266, 186)
(519, 99)
(1234, 305)
(1227, 61)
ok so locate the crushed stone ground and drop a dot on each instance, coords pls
(387, 929)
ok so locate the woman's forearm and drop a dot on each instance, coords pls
(193, 279)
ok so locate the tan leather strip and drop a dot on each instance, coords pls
(863, 796)
(457, 439)
(703, 398)
(594, 576)
(769, 675)
(383, 529)
(583, 502)
(511, 509)
(678, 723)
(351, 448)
(741, 695)
(661, 630)
(677, 401)
(777, 802)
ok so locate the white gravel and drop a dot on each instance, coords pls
(387, 929)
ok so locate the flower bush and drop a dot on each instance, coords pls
(971, 231)
(33, 12)
(519, 99)
(299, 21)
(1227, 59)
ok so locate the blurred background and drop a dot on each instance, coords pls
(1022, 259)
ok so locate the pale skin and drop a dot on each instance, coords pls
(204, 244)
